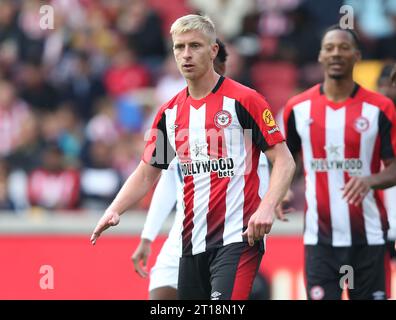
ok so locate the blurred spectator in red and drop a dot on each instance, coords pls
(125, 74)
(13, 118)
(53, 186)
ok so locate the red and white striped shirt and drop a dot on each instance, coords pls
(340, 140)
(217, 141)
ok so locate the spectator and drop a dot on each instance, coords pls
(53, 186)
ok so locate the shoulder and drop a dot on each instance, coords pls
(306, 95)
(376, 99)
(177, 99)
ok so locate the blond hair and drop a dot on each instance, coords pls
(193, 22)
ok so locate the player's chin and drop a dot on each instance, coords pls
(336, 75)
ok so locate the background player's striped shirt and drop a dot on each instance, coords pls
(339, 140)
(217, 141)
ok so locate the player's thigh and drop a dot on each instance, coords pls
(233, 269)
(369, 276)
(193, 281)
(163, 293)
(322, 273)
(165, 271)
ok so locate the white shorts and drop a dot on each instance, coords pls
(166, 268)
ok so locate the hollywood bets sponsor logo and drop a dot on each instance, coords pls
(222, 119)
(350, 165)
(224, 167)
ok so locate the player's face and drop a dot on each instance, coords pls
(387, 89)
(338, 54)
(194, 54)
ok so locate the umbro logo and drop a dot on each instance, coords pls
(379, 295)
(215, 295)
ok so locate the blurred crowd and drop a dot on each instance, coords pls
(76, 100)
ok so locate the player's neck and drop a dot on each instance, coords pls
(338, 90)
(201, 87)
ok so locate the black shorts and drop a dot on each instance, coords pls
(225, 273)
(360, 268)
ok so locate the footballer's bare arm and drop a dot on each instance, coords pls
(134, 189)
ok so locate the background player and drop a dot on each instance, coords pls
(343, 130)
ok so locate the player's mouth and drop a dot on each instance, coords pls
(336, 65)
(188, 66)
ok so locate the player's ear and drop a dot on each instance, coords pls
(214, 50)
(358, 55)
(320, 58)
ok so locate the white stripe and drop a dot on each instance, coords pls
(372, 219)
(235, 145)
(197, 137)
(264, 175)
(303, 121)
(170, 116)
(335, 150)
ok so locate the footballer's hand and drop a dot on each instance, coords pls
(109, 219)
(141, 253)
(260, 223)
(356, 190)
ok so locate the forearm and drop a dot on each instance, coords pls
(385, 178)
(135, 188)
(283, 168)
(162, 203)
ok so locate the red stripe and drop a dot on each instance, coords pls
(352, 150)
(388, 273)
(318, 142)
(251, 196)
(183, 150)
(245, 273)
(215, 218)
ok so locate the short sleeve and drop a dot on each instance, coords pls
(387, 131)
(158, 151)
(293, 139)
(254, 113)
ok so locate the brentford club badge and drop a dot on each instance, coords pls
(222, 119)
(361, 124)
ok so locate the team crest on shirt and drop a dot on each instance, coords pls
(268, 118)
(222, 119)
(361, 124)
(317, 293)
